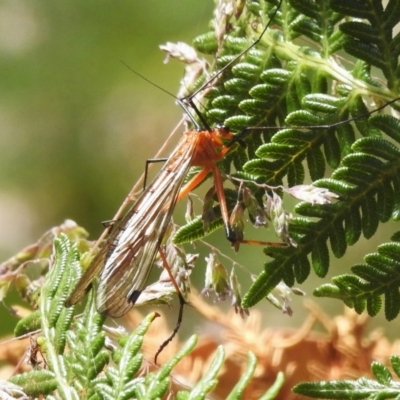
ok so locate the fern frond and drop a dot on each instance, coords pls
(383, 387)
(373, 284)
(79, 364)
(54, 320)
(289, 98)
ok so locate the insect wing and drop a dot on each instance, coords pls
(85, 283)
(134, 247)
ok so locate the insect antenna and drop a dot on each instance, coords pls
(180, 101)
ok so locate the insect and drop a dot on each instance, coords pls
(126, 259)
(33, 352)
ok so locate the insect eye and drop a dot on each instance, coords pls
(222, 127)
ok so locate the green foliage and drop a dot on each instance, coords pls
(79, 365)
(378, 278)
(383, 387)
(290, 99)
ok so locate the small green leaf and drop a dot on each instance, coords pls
(320, 258)
(316, 163)
(388, 124)
(332, 150)
(273, 391)
(353, 225)
(36, 382)
(209, 381)
(276, 76)
(302, 268)
(395, 362)
(377, 147)
(370, 217)
(244, 380)
(30, 323)
(392, 303)
(206, 43)
(381, 373)
(338, 239)
(344, 389)
(328, 290)
(263, 285)
(374, 305)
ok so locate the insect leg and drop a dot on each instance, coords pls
(182, 303)
(146, 171)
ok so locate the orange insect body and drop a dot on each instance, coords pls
(208, 149)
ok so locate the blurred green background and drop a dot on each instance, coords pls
(77, 125)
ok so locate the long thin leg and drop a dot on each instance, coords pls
(146, 171)
(219, 188)
(182, 303)
(196, 180)
(193, 183)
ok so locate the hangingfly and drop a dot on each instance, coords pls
(124, 263)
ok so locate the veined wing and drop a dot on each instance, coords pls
(126, 259)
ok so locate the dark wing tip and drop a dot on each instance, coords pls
(134, 296)
(117, 306)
